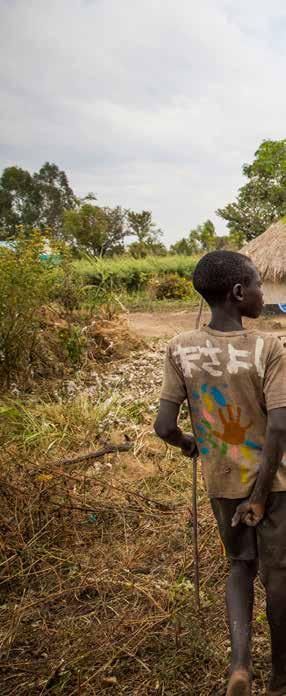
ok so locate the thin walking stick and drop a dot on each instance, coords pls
(195, 534)
(195, 506)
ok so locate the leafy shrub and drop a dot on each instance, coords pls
(68, 287)
(172, 287)
(25, 283)
(131, 274)
(74, 342)
(28, 283)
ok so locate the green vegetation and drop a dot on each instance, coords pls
(262, 200)
(94, 230)
(34, 200)
(133, 274)
(25, 286)
(46, 307)
(29, 290)
(172, 287)
(45, 200)
(201, 240)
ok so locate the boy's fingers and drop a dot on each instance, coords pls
(241, 514)
(237, 517)
(244, 513)
(250, 520)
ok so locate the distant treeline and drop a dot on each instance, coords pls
(46, 201)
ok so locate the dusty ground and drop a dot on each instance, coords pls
(166, 324)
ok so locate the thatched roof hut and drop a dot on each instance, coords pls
(268, 252)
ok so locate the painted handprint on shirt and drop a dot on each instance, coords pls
(210, 403)
(233, 431)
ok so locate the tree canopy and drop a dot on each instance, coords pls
(201, 239)
(262, 200)
(46, 201)
(148, 236)
(34, 200)
(99, 231)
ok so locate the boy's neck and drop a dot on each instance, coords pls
(225, 318)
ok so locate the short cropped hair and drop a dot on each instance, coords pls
(217, 273)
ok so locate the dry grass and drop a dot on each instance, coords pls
(96, 569)
(97, 591)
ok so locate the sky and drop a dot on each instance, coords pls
(150, 104)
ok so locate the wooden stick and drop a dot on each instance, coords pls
(195, 508)
(199, 315)
(195, 534)
(108, 449)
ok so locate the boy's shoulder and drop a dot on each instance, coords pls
(195, 335)
(187, 336)
(248, 339)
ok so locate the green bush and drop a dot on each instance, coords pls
(74, 343)
(27, 283)
(172, 287)
(67, 287)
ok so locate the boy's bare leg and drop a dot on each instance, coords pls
(239, 599)
(275, 584)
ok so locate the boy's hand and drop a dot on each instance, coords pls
(249, 513)
(188, 446)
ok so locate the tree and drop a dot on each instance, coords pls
(19, 201)
(56, 196)
(116, 231)
(148, 236)
(139, 249)
(37, 200)
(100, 231)
(185, 246)
(262, 200)
(202, 238)
(86, 228)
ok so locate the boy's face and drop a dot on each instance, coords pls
(252, 302)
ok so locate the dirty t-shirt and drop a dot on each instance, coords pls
(230, 381)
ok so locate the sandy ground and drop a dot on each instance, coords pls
(166, 324)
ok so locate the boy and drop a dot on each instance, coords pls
(235, 383)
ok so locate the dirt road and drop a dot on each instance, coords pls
(166, 324)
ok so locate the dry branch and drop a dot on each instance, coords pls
(108, 449)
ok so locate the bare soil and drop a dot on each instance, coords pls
(169, 323)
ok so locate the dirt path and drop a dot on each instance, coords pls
(166, 324)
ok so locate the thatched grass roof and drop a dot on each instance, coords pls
(268, 252)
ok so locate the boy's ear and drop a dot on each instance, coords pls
(237, 292)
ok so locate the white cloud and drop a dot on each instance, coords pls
(152, 105)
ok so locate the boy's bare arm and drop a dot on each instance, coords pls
(252, 510)
(166, 427)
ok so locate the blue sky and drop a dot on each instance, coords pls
(153, 104)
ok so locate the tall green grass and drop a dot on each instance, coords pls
(133, 274)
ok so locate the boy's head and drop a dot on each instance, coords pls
(226, 276)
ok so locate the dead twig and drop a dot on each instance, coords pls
(108, 449)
